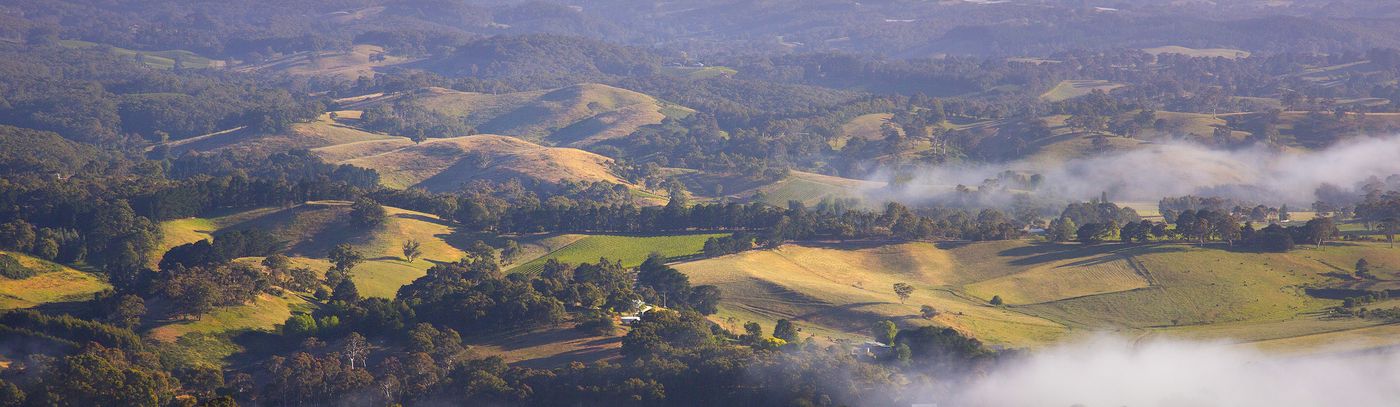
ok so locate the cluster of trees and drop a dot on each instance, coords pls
(94, 96)
(409, 118)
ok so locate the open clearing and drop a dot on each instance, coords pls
(156, 59)
(1070, 89)
(574, 116)
(809, 188)
(310, 230)
(322, 132)
(630, 250)
(360, 60)
(208, 341)
(838, 291)
(1052, 290)
(54, 283)
(1226, 53)
(548, 348)
(445, 164)
(867, 127)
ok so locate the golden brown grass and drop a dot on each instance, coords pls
(445, 164)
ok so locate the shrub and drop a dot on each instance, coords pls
(10, 268)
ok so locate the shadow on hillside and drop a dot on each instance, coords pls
(1050, 252)
(423, 218)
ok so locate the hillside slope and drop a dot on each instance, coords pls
(574, 116)
(445, 164)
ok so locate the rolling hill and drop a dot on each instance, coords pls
(53, 283)
(311, 229)
(322, 132)
(360, 60)
(445, 164)
(1051, 290)
(574, 116)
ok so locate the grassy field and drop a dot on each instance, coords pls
(209, 340)
(319, 133)
(1070, 89)
(810, 188)
(838, 291)
(631, 250)
(549, 347)
(574, 116)
(310, 230)
(1198, 53)
(54, 283)
(445, 164)
(865, 127)
(1053, 291)
(349, 65)
(156, 59)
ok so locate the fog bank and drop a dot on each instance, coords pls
(1108, 371)
(1257, 174)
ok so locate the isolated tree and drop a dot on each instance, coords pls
(903, 290)
(928, 312)
(705, 299)
(1320, 230)
(128, 311)
(1363, 269)
(344, 257)
(299, 325)
(996, 300)
(1390, 227)
(1094, 233)
(884, 331)
(277, 263)
(1062, 230)
(753, 332)
(411, 249)
(355, 349)
(367, 213)
(346, 291)
(785, 330)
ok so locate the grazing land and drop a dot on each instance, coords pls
(53, 283)
(1050, 291)
(1070, 89)
(446, 164)
(630, 250)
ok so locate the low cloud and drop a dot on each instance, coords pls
(1259, 174)
(1107, 371)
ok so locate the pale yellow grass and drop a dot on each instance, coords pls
(1065, 279)
(445, 164)
(827, 288)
